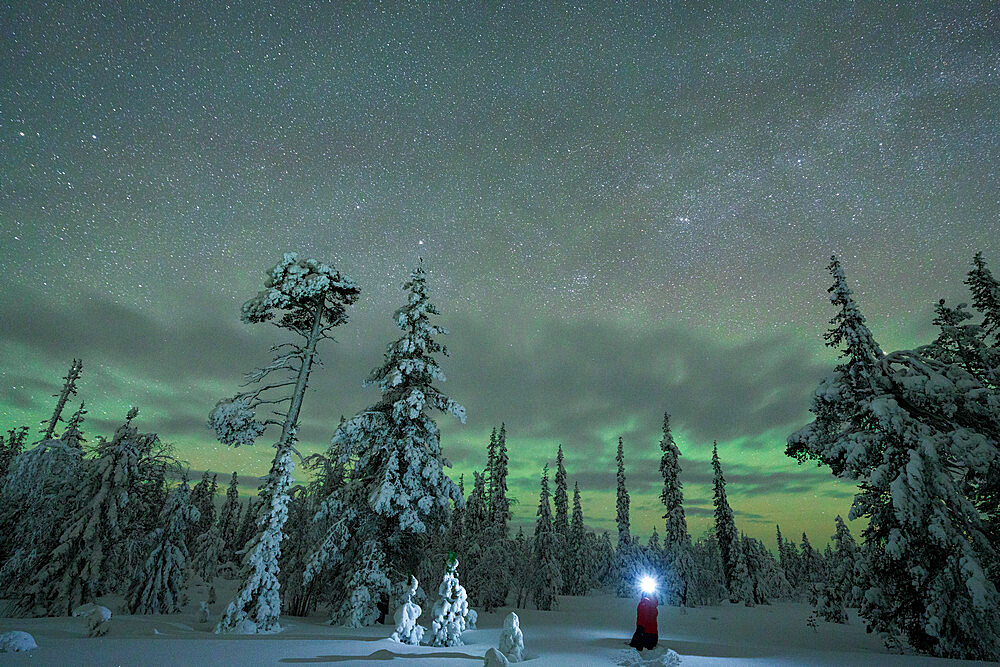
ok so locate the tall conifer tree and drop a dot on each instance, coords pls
(547, 577)
(398, 487)
(725, 524)
(579, 572)
(622, 504)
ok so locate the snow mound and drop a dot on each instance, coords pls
(495, 658)
(16, 641)
(657, 657)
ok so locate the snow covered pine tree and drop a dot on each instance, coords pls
(309, 299)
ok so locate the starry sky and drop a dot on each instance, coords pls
(623, 210)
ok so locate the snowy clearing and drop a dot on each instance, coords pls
(582, 631)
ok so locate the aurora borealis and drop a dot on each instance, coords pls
(623, 211)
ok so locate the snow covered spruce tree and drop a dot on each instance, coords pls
(725, 529)
(708, 587)
(302, 535)
(89, 548)
(622, 501)
(36, 496)
(397, 487)
(676, 532)
(497, 555)
(307, 299)
(73, 435)
(408, 631)
(845, 559)
(476, 526)
(522, 572)
(811, 566)
(976, 347)
(767, 582)
(676, 540)
(741, 584)
(499, 502)
(986, 297)
(915, 433)
(205, 541)
(546, 578)
(202, 497)
(624, 553)
(366, 584)
(456, 532)
(29, 521)
(159, 586)
(248, 525)
(561, 519)
(451, 609)
(783, 557)
(491, 458)
(229, 521)
(579, 572)
(837, 590)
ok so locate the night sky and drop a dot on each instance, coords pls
(623, 210)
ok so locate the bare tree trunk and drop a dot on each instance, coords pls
(68, 389)
(302, 382)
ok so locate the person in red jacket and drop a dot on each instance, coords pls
(645, 623)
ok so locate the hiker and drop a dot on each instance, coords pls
(645, 636)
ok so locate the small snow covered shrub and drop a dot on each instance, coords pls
(511, 639)
(451, 609)
(16, 641)
(203, 612)
(98, 618)
(407, 630)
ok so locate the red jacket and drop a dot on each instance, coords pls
(645, 615)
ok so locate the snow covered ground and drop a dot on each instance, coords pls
(583, 631)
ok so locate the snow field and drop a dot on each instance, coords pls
(581, 631)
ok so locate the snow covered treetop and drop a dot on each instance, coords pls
(849, 326)
(296, 286)
(406, 377)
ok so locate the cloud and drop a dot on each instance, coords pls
(580, 383)
(570, 381)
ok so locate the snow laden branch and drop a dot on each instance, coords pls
(918, 430)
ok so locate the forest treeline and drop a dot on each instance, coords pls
(916, 430)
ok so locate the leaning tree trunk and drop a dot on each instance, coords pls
(262, 578)
(68, 389)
